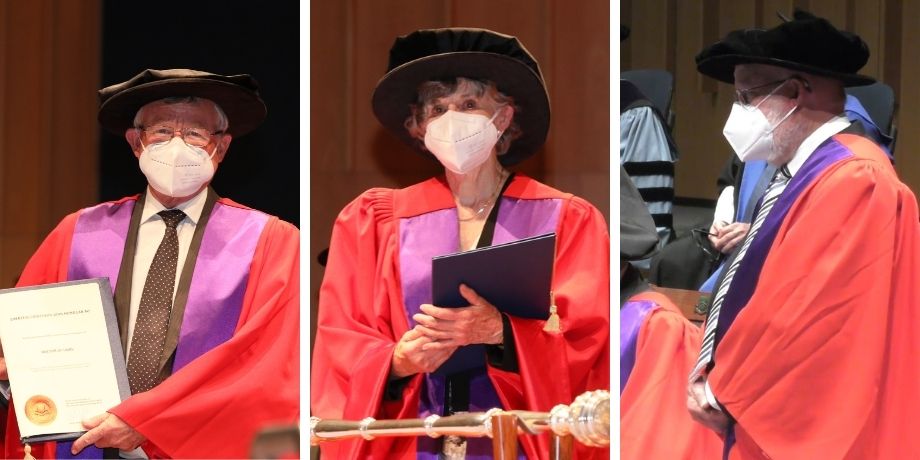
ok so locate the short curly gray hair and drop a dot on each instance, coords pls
(432, 90)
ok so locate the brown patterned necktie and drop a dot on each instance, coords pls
(153, 314)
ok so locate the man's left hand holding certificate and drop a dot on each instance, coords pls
(63, 355)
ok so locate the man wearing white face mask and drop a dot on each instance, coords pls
(813, 317)
(475, 101)
(206, 290)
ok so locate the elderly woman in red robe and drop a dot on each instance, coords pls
(475, 101)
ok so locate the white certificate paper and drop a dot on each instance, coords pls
(64, 356)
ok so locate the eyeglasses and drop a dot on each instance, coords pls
(194, 137)
(699, 237)
(745, 97)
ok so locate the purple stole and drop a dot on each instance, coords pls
(745, 281)
(212, 283)
(632, 316)
(434, 234)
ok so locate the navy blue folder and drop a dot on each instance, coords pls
(516, 277)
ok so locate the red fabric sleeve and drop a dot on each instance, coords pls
(654, 421)
(214, 406)
(50, 261)
(819, 363)
(360, 320)
(47, 265)
(361, 317)
(557, 367)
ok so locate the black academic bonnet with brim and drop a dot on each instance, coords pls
(443, 54)
(638, 235)
(806, 43)
(237, 96)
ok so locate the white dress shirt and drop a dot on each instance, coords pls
(149, 235)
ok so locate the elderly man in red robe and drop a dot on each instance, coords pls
(810, 348)
(227, 313)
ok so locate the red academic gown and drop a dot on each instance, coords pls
(822, 362)
(214, 406)
(361, 317)
(654, 421)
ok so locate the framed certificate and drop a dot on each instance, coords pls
(63, 354)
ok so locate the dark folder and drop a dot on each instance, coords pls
(516, 277)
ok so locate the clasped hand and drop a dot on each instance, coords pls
(728, 236)
(701, 411)
(439, 331)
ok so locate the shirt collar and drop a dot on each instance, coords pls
(192, 208)
(816, 138)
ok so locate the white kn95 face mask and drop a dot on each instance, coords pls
(461, 141)
(175, 168)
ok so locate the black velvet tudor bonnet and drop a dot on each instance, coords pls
(237, 95)
(807, 43)
(440, 54)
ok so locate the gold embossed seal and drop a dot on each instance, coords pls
(40, 410)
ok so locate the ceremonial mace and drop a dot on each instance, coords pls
(587, 420)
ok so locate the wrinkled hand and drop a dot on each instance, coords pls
(728, 236)
(108, 430)
(481, 322)
(702, 412)
(4, 375)
(409, 358)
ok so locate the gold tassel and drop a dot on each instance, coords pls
(28, 451)
(552, 323)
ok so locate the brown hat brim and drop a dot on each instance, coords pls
(243, 107)
(399, 88)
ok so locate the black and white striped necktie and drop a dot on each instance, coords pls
(774, 191)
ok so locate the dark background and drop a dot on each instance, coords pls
(261, 169)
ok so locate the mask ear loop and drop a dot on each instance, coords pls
(498, 132)
(789, 113)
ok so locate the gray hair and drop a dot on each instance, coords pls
(431, 90)
(222, 122)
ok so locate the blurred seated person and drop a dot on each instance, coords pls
(648, 153)
(475, 101)
(657, 350)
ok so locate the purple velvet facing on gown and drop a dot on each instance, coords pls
(632, 316)
(437, 233)
(218, 281)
